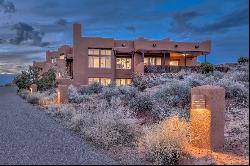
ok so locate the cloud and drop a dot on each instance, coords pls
(26, 33)
(131, 28)
(62, 22)
(7, 7)
(184, 22)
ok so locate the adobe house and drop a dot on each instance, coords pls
(105, 60)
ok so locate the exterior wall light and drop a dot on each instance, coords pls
(123, 45)
(62, 94)
(154, 45)
(176, 46)
(196, 46)
(207, 117)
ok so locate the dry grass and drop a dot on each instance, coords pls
(165, 141)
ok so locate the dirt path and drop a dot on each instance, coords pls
(29, 136)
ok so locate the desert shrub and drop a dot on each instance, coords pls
(239, 76)
(47, 81)
(234, 90)
(140, 82)
(206, 68)
(34, 98)
(23, 93)
(218, 74)
(62, 111)
(41, 98)
(109, 92)
(242, 60)
(141, 103)
(74, 96)
(91, 89)
(175, 93)
(165, 141)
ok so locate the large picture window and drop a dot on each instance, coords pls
(99, 58)
(123, 63)
(103, 81)
(174, 63)
(152, 61)
(123, 82)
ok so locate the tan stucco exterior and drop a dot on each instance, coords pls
(184, 52)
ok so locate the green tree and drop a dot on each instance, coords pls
(206, 68)
(47, 81)
(243, 60)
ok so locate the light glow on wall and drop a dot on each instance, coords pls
(58, 97)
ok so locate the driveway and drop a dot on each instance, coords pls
(29, 136)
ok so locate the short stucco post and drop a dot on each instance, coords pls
(33, 88)
(62, 94)
(207, 117)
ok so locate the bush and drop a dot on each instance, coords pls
(93, 88)
(206, 68)
(243, 60)
(74, 96)
(23, 93)
(165, 141)
(140, 82)
(175, 93)
(141, 103)
(42, 99)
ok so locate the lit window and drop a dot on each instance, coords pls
(99, 58)
(93, 51)
(105, 81)
(152, 61)
(93, 61)
(62, 56)
(106, 52)
(174, 63)
(123, 63)
(122, 82)
(93, 80)
(53, 60)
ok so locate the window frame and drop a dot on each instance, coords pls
(127, 60)
(92, 52)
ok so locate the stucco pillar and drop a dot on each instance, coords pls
(207, 117)
(62, 94)
(138, 63)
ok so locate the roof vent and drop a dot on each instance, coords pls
(154, 45)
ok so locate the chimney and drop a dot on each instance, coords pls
(77, 32)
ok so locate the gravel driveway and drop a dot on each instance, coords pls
(29, 136)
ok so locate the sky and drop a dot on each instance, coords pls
(29, 27)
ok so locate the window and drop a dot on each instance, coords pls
(62, 56)
(103, 81)
(93, 51)
(99, 58)
(174, 63)
(122, 82)
(94, 61)
(123, 63)
(53, 60)
(152, 61)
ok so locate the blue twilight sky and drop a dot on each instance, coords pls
(29, 27)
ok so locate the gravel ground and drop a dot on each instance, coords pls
(29, 136)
